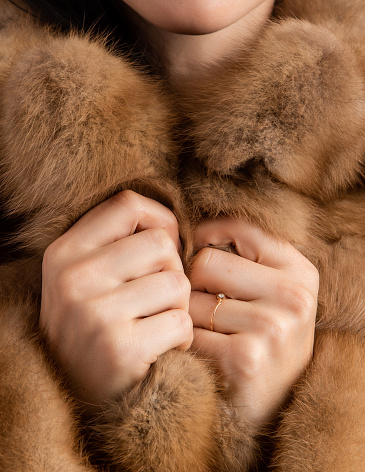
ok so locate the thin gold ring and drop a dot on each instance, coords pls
(220, 297)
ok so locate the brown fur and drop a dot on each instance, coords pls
(79, 124)
(278, 139)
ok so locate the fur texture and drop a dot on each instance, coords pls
(278, 139)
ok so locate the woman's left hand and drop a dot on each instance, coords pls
(264, 330)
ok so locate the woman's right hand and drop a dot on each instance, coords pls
(115, 296)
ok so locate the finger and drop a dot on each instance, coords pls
(249, 241)
(135, 256)
(158, 292)
(160, 333)
(217, 271)
(210, 344)
(236, 316)
(118, 217)
(143, 297)
(230, 316)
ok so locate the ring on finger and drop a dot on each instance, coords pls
(220, 297)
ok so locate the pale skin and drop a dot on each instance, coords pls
(102, 308)
(263, 333)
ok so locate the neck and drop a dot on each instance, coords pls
(187, 55)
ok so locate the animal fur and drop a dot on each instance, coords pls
(278, 139)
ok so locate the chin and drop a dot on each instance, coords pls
(193, 17)
(196, 27)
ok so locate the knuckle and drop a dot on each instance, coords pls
(139, 203)
(53, 252)
(313, 274)
(190, 337)
(184, 323)
(126, 196)
(249, 357)
(299, 300)
(48, 258)
(309, 271)
(127, 200)
(184, 282)
(114, 341)
(280, 331)
(161, 238)
(274, 329)
(170, 218)
(178, 282)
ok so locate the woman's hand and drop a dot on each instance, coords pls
(264, 331)
(115, 295)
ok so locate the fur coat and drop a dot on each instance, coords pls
(276, 137)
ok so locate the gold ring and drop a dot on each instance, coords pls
(220, 297)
